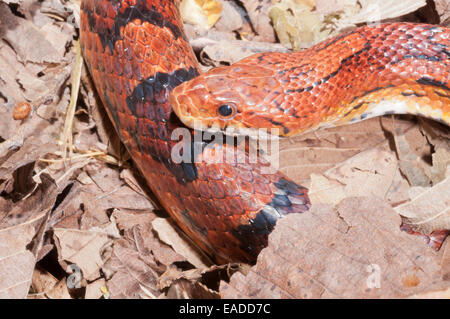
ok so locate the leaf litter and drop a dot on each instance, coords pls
(77, 221)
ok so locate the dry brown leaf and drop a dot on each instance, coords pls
(173, 274)
(443, 9)
(369, 173)
(16, 261)
(441, 162)
(163, 253)
(125, 197)
(319, 151)
(225, 51)
(110, 191)
(327, 7)
(398, 192)
(429, 209)
(169, 235)
(440, 294)
(355, 250)
(304, 23)
(27, 40)
(142, 252)
(127, 271)
(128, 219)
(412, 148)
(138, 229)
(22, 225)
(94, 289)
(59, 291)
(232, 17)
(185, 289)
(190, 283)
(83, 247)
(42, 282)
(258, 12)
(445, 259)
(376, 11)
(134, 181)
(351, 12)
(32, 209)
(437, 134)
(28, 153)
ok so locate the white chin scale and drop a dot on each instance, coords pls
(257, 134)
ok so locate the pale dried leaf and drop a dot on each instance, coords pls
(398, 190)
(441, 160)
(16, 261)
(42, 281)
(83, 247)
(168, 234)
(184, 289)
(59, 291)
(440, 294)
(232, 17)
(325, 190)
(94, 289)
(378, 10)
(129, 219)
(224, 52)
(129, 272)
(430, 209)
(257, 11)
(26, 39)
(369, 173)
(411, 149)
(188, 283)
(443, 9)
(351, 12)
(204, 13)
(353, 250)
(319, 151)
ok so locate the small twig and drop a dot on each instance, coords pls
(91, 154)
(75, 86)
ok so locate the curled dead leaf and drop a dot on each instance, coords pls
(353, 250)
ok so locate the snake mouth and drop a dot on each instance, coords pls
(237, 132)
(211, 126)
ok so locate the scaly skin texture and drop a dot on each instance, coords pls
(137, 53)
(373, 70)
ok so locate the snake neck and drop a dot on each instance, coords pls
(430, 101)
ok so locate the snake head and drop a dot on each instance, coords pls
(235, 99)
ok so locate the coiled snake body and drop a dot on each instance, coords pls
(137, 53)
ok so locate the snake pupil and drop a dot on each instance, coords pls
(225, 110)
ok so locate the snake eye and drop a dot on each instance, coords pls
(226, 110)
